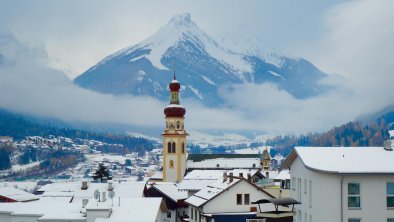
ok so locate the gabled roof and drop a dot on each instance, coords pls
(215, 189)
(343, 160)
(201, 157)
(169, 190)
(17, 195)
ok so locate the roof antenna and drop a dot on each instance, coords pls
(173, 65)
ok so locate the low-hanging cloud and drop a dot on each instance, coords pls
(358, 44)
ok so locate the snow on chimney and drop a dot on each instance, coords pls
(224, 177)
(387, 145)
(110, 187)
(84, 185)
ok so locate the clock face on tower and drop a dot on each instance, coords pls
(172, 126)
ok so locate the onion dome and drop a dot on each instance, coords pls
(174, 110)
(174, 85)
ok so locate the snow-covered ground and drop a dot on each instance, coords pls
(18, 167)
(209, 140)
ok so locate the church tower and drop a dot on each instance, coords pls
(174, 137)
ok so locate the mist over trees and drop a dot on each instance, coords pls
(350, 134)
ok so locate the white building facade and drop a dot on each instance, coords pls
(351, 184)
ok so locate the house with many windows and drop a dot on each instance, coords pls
(345, 184)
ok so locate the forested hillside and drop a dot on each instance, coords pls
(353, 133)
(18, 127)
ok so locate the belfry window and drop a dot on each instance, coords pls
(171, 164)
(178, 125)
(173, 147)
(169, 147)
(183, 147)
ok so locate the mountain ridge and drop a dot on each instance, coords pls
(202, 66)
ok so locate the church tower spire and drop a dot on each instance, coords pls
(174, 137)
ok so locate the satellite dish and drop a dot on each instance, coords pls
(111, 194)
(96, 194)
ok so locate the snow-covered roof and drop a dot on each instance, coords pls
(45, 210)
(216, 174)
(211, 191)
(170, 190)
(134, 209)
(124, 189)
(17, 195)
(194, 184)
(359, 160)
(224, 163)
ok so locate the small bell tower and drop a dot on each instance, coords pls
(174, 137)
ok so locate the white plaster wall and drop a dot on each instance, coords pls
(17, 218)
(227, 200)
(5, 217)
(326, 196)
(373, 198)
(92, 215)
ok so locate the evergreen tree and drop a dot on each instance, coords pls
(101, 172)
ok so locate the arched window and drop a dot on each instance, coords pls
(173, 147)
(169, 147)
(171, 164)
(178, 125)
(183, 147)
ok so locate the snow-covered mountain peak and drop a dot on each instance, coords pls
(183, 19)
(203, 64)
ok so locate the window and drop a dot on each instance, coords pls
(246, 199)
(353, 199)
(192, 212)
(178, 125)
(173, 147)
(390, 194)
(171, 164)
(310, 193)
(183, 147)
(168, 214)
(239, 199)
(299, 189)
(390, 219)
(293, 183)
(305, 186)
(354, 220)
(169, 147)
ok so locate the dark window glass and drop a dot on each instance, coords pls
(246, 199)
(173, 147)
(169, 147)
(239, 199)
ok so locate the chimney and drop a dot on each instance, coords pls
(84, 185)
(387, 145)
(249, 177)
(110, 187)
(104, 197)
(224, 177)
(231, 177)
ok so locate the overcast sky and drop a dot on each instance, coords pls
(351, 38)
